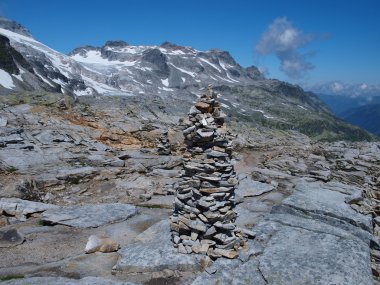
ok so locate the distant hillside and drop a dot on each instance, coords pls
(366, 117)
(341, 103)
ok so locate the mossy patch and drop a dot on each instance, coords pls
(10, 277)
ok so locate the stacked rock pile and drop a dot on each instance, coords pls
(203, 216)
(163, 147)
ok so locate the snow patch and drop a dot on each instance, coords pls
(192, 74)
(222, 78)
(262, 112)
(95, 57)
(165, 89)
(43, 78)
(229, 77)
(211, 64)
(171, 52)
(87, 91)
(302, 107)
(19, 77)
(225, 106)
(6, 80)
(224, 66)
(183, 79)
(59, 81)
(165, 82)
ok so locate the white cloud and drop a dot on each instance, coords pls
(363, 90)
(283, 39)
(363, 86)
(337, 86)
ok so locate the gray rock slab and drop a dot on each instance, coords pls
(165, 173)
(89, 215)
(249, 188)
(231, 272)
(79, 172)
(3, 122)
(163, 202)
(65, 281)
(314, 200)
(156, 253)
(19, 207)
(315, 225)
(271, 173)
(301, 256)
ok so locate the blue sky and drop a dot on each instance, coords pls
(343, 36)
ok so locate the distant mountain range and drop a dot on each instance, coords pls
(119, 68)
(355, 103)
(366, 117)
(175, 74)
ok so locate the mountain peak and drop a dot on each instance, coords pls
(15, 27)
(169, 45)
(82, 50)
(117, 43)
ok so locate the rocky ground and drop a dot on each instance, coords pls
(74, 170)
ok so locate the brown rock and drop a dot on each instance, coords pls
(226, 253)
(204, 107)
(3, 221)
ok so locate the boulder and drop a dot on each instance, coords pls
(101, 244)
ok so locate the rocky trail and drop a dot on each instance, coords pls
(71, 171)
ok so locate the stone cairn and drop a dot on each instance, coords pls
(203, 216)
(163, 147)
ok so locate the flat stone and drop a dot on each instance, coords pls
(312, 199)
(76, 173)
(206, 204)
(215, 190)
(11, 139)
(3, 122)
(89, 215)
(300, 256)
(193, 224)
(228, 226)
(204, 107)
(205, 135)
(209, 178)
(250, 188)
(162, 202)
(65, 281)
(182, 249)
(191, 166)
(231, 254)
(19, 207)
(157, 254)
(231, 271)
(216, 154)
(194, 111)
